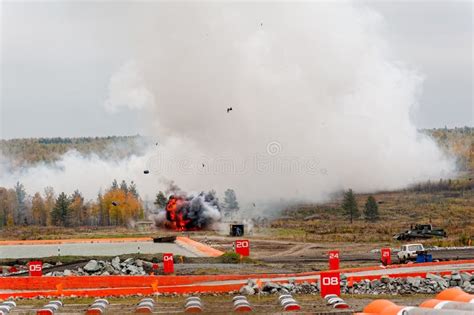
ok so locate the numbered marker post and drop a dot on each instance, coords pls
(386, 254)
(242, 247)
(35, 268)
(330, 283)
(168, 263)
(334, 260)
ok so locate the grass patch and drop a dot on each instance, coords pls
(233, 258)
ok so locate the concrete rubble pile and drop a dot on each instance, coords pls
(431, 284)
(129, 266)
(284, 288)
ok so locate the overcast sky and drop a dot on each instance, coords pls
(57, 59)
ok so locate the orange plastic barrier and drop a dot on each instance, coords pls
(377, 306)
(447, 305)
(431, 303)
(455, 294)
(383, 307)
(222, 288)
(78, 282)
(129, 285)
(83, 282)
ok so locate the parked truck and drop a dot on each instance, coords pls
(409, 252)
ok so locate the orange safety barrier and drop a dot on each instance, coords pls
(455, 294)
(384, 307)
(377, 306)
(110, 285)
(77, 282)
(447, 301)
(431, 303)
(222, 288)
(448, 305)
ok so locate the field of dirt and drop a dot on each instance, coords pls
(351, 254)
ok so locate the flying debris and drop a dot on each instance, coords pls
(146, 172)
(229, 109)
(114, 203)
(203, 165)
(254, 204)
(261, 24)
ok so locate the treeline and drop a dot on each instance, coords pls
(443, 185)
(47, 150)
(458, 142)
(118, 206)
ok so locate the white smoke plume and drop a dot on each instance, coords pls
(127, 90)
(319, 104)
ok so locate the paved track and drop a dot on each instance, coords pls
(91, 249)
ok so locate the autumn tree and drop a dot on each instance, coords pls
(77, 214)
(3, 206)
(8, 206)
(94, 213)
(122, 207)
(49, 202)
(103, 211)
(38, 210)
(349, 205)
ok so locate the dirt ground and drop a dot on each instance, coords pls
(295, 256)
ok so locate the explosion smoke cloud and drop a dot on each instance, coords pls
(317, 78)
(192, 212)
